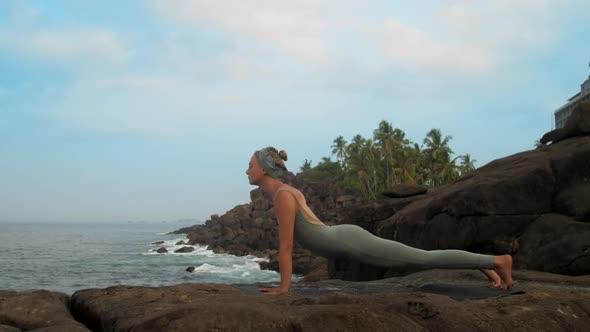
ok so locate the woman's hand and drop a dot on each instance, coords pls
(274, 291)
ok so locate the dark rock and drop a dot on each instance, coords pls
(345, 201)
(162, 250)
(409, 303)
(38, 310)
(7, 328)
(577, 124)
(190, 269)
(158, 242)
(185, 250)
(218, 250)
(181, 242)
(404, 190)
(556, 243)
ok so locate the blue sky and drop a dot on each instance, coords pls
(149, 110)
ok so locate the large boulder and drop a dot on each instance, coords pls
(578, 123)
(428, 301)
(534, 205)
(38, 310)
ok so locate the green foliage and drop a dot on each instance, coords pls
(324, 172)
(369, 166)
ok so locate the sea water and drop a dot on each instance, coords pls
(67, 257)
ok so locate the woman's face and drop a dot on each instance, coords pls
(255, 171)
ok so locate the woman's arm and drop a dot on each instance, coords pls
(285, 208)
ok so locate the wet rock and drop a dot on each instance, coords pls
(185, 250)
(162, 250)
(190, 269)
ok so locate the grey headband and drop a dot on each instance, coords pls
(269, 165)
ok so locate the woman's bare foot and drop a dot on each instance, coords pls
(493, 278)
(503, 267)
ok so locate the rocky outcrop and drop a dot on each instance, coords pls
(428, 301)
(577, 124)
(251, 229)
(533, 205)
(39, 310)
(434, 300)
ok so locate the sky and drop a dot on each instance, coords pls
(118, 111)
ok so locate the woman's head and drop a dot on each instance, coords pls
(267, 161)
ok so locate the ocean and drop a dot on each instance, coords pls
(67, 257)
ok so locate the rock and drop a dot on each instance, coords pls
(7, 328)
(218, 250)
(162, 250)
(344, 201)
(158, 242)
(38, 310)
(404, 190)
(424, 301)
(577, 124)
(569, 253)
(181, 242)
(190, 269)
(185, 250)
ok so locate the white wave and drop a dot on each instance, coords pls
(258, 259)
(208, 268)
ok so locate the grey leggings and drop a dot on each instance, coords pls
(362, 246)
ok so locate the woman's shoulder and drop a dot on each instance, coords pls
(288, 188)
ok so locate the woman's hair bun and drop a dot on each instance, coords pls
(283, 155)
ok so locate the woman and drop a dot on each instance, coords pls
(297, 221)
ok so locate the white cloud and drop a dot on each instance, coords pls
(293, 27)
(412, 46)
(466, 36)
(502, 24)
(79, 45)
(470, 36)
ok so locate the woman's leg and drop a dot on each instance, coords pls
(365, 247)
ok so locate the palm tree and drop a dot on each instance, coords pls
(339, 148)
(384, 138)
(467, 164)
(438, 156)
(306, 165)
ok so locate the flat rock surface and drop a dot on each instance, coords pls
(433, 300)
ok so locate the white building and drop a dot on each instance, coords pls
(562, 113)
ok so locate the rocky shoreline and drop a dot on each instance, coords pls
(435, 300)
(534, 205)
